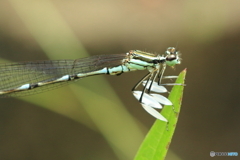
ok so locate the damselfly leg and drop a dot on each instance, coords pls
(153, 100)
(149, 96)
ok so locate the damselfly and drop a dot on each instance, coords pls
(27, 78)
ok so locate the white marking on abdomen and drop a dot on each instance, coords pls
(61, 79)
(101, 71)
(23, 87)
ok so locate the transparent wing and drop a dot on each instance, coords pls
(14, 75)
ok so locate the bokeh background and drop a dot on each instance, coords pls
(97, 117)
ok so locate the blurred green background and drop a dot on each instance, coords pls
(97, 117)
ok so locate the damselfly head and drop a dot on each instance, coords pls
(172, 56)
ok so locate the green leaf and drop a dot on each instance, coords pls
(158, 139)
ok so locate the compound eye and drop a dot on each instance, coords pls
(171, 57)
(171, 50)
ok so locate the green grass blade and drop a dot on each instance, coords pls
(158, 139)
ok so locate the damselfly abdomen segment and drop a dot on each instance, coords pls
(27, 78)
